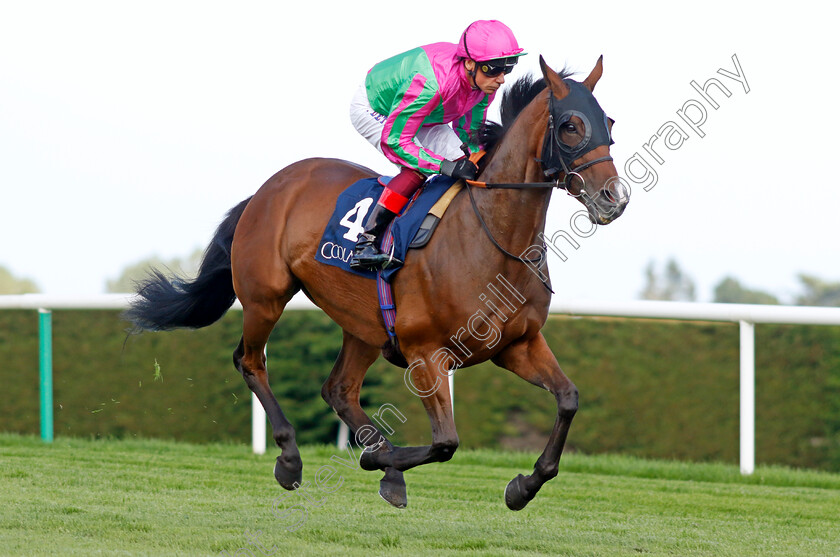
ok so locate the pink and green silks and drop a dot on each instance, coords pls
(426, 86)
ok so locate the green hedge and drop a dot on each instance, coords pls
(648, 388)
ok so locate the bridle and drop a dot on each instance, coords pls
(553, 150)
(556, 158)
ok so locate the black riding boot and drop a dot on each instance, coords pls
(366, 255)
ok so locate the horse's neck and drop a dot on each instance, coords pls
(517, 214)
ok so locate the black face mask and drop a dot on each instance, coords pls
(558, 156)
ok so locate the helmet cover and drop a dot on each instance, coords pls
(487, 40)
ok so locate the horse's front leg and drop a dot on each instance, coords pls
(533, 361)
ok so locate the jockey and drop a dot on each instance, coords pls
(404, 107)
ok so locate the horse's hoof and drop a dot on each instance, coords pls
(515, 498)
(288, 474)
(392, 488)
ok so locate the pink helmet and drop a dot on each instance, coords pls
(487, 40)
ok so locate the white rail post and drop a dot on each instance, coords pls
(452, 390)
(343, 435)
(258, 423)
(747, 398)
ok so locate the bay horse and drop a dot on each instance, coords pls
(263, 254)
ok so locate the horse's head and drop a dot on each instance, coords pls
(577, 146)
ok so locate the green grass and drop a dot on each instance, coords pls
(84, 497)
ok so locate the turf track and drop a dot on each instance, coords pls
(86, 497)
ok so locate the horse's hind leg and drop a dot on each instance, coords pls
(249, 359)
(427, 383)
(341, 391)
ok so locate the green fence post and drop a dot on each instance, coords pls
(46, 383)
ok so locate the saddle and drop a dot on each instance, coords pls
(430, 222)
(412, 229)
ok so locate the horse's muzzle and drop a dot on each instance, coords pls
(608, 203)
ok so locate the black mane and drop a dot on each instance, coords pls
(514, 100)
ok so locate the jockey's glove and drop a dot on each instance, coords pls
(463, 169)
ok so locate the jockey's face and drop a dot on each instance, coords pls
(487, 84)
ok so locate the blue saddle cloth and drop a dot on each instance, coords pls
(351, 211)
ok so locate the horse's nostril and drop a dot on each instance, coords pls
(615, 193)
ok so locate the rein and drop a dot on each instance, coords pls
(533, 261)
(564, 185)
(538, 261)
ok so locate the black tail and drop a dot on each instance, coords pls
(164, 303)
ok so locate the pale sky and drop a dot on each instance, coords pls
(128, 130)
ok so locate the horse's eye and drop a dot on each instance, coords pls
(569, 128)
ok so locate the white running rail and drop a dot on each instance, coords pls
(747, 315)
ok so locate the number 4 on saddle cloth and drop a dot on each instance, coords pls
(410, 229)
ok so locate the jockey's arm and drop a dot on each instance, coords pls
(416, 103)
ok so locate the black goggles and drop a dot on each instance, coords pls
(494, 68)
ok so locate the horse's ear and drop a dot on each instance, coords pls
(595, 74)
(554, 81)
